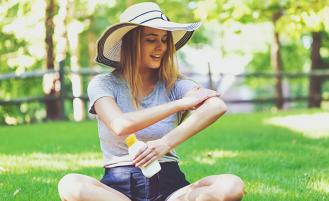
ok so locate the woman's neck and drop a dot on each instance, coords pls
(149, 77)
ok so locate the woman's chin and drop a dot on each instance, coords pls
(154, 66)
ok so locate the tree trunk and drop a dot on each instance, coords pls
(210, 82)
(276, 62)
(92, 41)
(315, 82)
(52, 106)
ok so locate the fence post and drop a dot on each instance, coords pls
(62, 91)
(210, 82)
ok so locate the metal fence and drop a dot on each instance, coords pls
(64, 95)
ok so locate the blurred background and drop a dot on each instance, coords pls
(260, 55)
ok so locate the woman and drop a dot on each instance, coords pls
(146, 95)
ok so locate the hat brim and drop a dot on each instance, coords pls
(109, 44)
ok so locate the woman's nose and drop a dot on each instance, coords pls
(160, 45)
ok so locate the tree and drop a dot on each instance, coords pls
(251, 11)
(289, 18)
(52, 105)
(276, 60)
(311, 19)
(315, 82)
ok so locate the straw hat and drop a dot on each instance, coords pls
(142, 14)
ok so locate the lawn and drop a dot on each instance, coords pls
(279, 159)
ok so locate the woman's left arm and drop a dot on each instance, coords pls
(207, 113)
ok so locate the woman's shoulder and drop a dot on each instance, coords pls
(181, 86)
(183, 80)
(107, 78)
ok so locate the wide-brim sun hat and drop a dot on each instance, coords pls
(142, 14)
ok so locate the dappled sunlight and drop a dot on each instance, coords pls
(26, 162)
(320, 186)
(45, 180)
(271, 189)
(310, 125)
(10, 120)
(2, 169)
(211, 157)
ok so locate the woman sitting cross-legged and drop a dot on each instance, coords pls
(146, 95)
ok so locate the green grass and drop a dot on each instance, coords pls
(276, 163)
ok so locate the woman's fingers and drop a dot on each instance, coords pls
(144, 153)
(203, 95)
(196, 96)
(155, 149)
(149, 161)
(206, 93)
(139, 152)
(144, 157)
(146, 161)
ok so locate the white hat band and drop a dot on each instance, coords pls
(148, 16)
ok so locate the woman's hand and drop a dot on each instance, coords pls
(195, 97)
(153, 151)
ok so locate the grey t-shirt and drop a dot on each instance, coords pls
(115, 151)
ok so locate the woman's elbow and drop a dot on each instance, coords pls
(118, 131)
(119, 127)
(216, 106)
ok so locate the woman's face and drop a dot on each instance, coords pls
(153, 47)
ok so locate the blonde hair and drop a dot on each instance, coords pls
(130, 63)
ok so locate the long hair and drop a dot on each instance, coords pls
(130, 60)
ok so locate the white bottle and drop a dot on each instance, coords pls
(134, 146)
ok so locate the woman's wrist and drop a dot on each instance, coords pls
(167, 142)
(180, 104)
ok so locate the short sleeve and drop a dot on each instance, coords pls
(182, 86)
(100, 86)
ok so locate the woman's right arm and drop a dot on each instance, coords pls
(126, 123)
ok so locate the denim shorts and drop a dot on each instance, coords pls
(130, 181)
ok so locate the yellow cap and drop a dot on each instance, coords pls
(130, 140)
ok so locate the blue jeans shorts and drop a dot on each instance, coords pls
(130, 181)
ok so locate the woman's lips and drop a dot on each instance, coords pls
(156, 58)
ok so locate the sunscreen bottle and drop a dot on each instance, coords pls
(134, 146)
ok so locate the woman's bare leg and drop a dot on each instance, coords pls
(225, 187)
(77, 187)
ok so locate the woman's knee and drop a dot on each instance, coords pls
(233, 187)
(71, 186)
